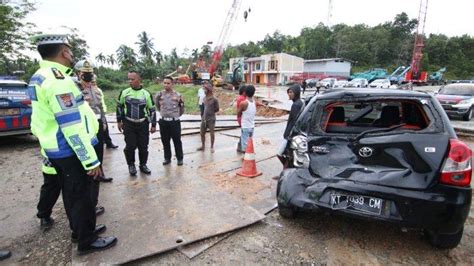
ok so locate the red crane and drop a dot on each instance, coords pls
(415, 75)
(224, 35)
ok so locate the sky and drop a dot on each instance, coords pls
(106, 24)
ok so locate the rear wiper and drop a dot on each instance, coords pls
(362, 134)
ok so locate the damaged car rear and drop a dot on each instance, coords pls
(379, 154)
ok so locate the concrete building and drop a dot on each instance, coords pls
(328, 67)
(272, 69)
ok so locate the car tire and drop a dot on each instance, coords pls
(468, 115)
(287, 212)
(445, 241)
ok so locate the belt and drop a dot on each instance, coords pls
(135, 120)
(170, 118)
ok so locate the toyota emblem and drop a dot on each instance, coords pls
(366, 152)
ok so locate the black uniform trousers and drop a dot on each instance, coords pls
(107, 139)
(49, 194)
(136, 136)
(99, 150)
(171, 130)
(76, 187)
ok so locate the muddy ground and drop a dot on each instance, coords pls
(311, 238)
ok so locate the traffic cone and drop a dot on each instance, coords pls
(249, 166)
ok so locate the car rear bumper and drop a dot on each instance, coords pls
(441, 208)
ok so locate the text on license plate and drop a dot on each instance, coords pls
(9, 111)
(356, 202)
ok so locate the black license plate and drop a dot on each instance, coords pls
(341, 201)
(447, 107)
(9, 111)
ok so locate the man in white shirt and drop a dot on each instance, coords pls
(202, 94)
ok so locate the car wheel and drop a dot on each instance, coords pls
(287, 212)
(468, 115)
(445, 241)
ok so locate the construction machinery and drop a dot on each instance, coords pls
(371, 74)
(415, 75)
(436, 78)
(398, 76)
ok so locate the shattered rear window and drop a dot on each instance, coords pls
(355, 117)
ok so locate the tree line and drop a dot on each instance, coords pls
(387, 45)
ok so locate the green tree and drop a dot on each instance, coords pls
(101, 58)
(146, 46)
(14, 34)
(126, 57)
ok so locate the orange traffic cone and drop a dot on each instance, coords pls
(249, 167)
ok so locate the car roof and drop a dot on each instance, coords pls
(460, 85)
(352, 92)
(12, 82)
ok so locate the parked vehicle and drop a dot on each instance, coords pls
(311, 82)
(457, 99)
(15, 108)
(357, 83)
(387, 155)
(380, 84)
(327, 82)
(340, 84)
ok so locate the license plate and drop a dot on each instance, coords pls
(340, 201)
(10, 111)
(447, 107)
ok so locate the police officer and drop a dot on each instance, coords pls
(66, 128)
(170, 104)
(95, 98)
(135, 111)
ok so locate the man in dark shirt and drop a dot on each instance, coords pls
(208, 121)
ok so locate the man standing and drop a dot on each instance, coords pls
(208, 120)
(66, 129)
(170, 104)
(247, 110)
(201, 95)
(95, 98)
(240, 99)
(135, 111)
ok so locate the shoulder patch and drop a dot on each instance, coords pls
(66, 100)
(37, 79)
(57, 74)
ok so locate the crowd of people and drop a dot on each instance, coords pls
(69, 120)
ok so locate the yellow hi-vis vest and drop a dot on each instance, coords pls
(64, 124)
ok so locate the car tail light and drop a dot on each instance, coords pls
(457, 167)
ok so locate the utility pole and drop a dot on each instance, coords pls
(329, 22)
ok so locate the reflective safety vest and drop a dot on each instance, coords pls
(136, 105)
(64, 124)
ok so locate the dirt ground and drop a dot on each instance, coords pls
(311, 238)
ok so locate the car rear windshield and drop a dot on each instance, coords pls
(458, 89)
(355, 117)
(13, 92)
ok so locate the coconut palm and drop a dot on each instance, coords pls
(111, 59)
(101, 58)
(126, 56)
(158, 57)
(146, 46)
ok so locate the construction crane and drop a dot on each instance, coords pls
(415, 75)
(224, 35)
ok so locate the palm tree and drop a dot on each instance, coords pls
(146, 46)
(126, 56)
(195, 54)
(111, 59)
(101, 58)
(158, 57)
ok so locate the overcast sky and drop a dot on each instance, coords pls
(106, 24)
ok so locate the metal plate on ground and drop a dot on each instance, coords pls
(156, 214)
(258, 192)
